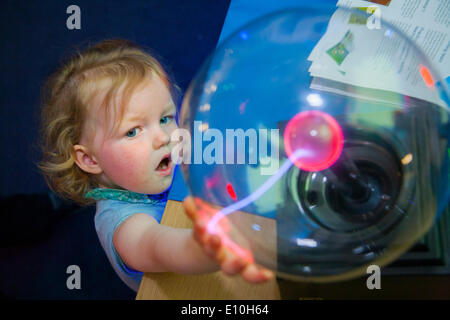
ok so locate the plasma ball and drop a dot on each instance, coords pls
(318, 135)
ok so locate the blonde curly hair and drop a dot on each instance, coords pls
(119, 65)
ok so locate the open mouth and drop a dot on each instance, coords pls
(164, 164)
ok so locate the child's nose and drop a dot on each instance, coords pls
(161, 139)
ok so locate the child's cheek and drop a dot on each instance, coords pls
(124, 166)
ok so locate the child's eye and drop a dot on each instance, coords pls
(132, 133)
(166, 119)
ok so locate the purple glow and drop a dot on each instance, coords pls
(258, 192)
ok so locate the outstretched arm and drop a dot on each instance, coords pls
(147, 246)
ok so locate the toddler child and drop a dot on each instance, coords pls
(108, 114)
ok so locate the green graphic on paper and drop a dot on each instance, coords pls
(341, 50)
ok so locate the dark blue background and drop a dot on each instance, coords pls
(35, 39)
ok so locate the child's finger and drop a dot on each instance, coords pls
(224, 224)
(205, 209)
(253, 274)
(214, 242)
(197, 209)
(232, 265)
(212, 246)
(190, 207)
(200, 231)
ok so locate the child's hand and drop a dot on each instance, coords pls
(231, 258)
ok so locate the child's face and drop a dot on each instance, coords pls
(136, 156)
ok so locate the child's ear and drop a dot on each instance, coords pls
(85, 161)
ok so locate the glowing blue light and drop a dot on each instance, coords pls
(307, 243)
(256, 227)
(244, 35)
(314, 99)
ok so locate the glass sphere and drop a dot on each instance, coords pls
(319, 143)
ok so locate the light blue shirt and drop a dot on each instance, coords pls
(113, 208)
